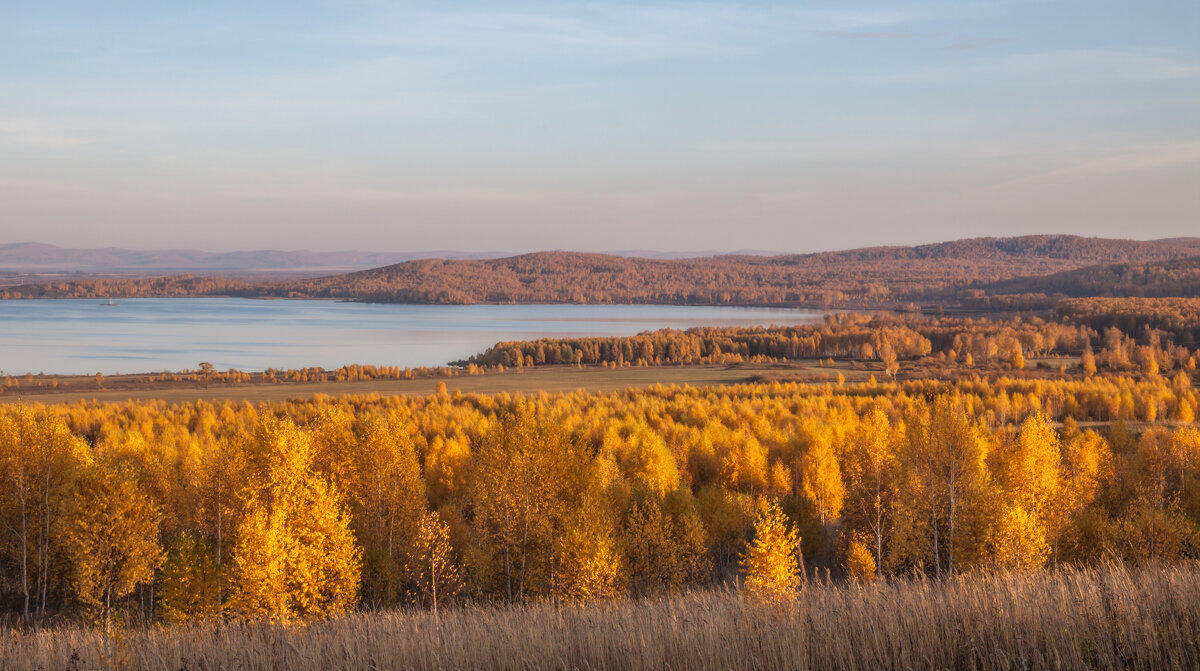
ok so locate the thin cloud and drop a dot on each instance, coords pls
(969, 43)
(1150, 157)
(35, 134)
(625, 32)
(1077, 66)
(1133, 160)
(1102, 65)
(951, 41)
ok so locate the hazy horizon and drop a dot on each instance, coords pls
(499, 253)
(516, 127)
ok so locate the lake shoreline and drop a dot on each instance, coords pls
(67, 337)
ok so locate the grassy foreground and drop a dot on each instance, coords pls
(1100, 618)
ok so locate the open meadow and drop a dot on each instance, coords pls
(1098, 619)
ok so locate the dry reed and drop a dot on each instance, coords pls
(1095, 618)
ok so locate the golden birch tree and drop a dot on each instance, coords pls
(771, 563)
(388, 502)
(114, 541)
(431, 563)
(871, 476)
(296, 558)
(41, 462)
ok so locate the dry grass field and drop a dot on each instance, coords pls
(550, 379)
(1102, 618)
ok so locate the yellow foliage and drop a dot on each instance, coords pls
(1088, 362)
(588, 565)
(1148, 532)
(870, 465)
(526, 474)
(1034, 474)
(644, 456)
(40, 464)
(860, 563)
(190, 582)
(387, 502)
(114, 541)
(295, 558)
(821, 473)
(431, 563)
(946, 481)
(663, 554)
(1016, 357)
(650, 551)
(781, 480)
(771, 562)
(1018, 540)
(581, 495)
(1087, 458)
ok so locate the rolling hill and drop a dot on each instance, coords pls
(1155, 279)
(869, 277)
(861, 277)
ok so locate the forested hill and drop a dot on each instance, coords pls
(860, 277)
(869, 277)
(1158, 279)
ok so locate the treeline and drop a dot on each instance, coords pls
(874, 277)
(886, 339)
(850, 337)
(208, 375)
(175, 286)
(306, 509)
(1178, 318)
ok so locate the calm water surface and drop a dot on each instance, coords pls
(64, 337)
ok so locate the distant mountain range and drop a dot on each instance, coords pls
(39, 257)
(35, 257)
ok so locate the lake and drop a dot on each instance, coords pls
(66, 337)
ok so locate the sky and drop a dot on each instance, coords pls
(519, 126)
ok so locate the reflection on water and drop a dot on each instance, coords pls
(64, 337)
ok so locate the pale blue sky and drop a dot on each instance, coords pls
(517, 126)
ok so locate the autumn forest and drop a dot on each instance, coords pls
(965, 463)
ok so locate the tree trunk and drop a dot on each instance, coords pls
(107, 611)
(44, 545)
(433, 581)
(803, 568)
(220, 576)
(508, 556)
(524, 547)
(937, 555)
(950, 539)
(25, 559)
(878, 531)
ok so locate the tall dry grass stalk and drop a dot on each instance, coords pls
(1097, 618)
